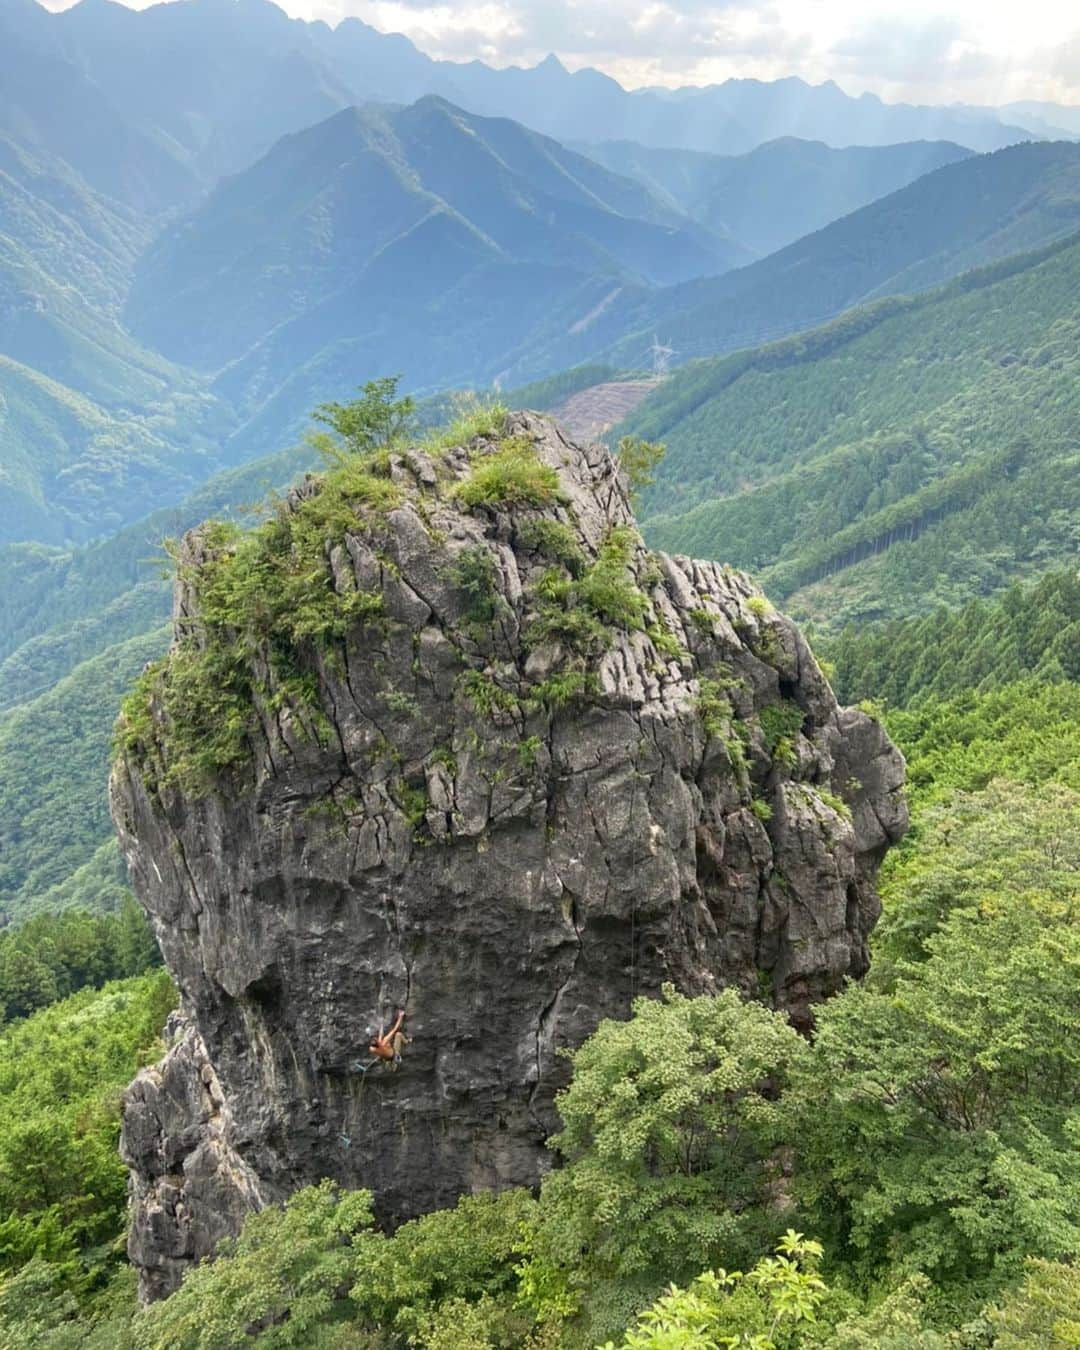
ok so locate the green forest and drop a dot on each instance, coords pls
(914, 453)
(908, 1177)
(509, 765)
(908, 1180)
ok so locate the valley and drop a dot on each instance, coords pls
(539, 685)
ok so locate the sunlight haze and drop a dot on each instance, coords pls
(962, 52)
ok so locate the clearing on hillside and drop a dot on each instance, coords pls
(589, 413)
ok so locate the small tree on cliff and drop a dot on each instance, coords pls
(375, 421)
(638, 459)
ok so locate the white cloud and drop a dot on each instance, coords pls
(974, 51)
(970, 50)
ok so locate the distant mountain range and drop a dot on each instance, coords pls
(201, 235)
(428, 242)
(963, 215)
(398, 231)
(154, 105)
(781, 190)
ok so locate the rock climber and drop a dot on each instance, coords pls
(388, 1048)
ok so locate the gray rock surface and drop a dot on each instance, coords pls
(507, 874)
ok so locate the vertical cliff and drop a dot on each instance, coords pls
(462, 746)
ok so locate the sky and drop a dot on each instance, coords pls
(971, 51)
(968, 51)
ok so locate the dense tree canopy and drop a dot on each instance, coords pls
(904, 1179)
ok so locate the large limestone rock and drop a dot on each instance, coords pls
(444, 841)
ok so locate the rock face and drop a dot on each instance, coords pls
(503, 834)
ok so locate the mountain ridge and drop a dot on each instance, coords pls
(331, 207)
(957, 217)
(235, 56)
(916, 452)
(780, 191)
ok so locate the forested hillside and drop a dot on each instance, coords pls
(916, 452)
(238, 246)
(961, 216)
(53, 752)
(779, 191)
(1030, 631)
(75, 629)
(93, 426)
(944, 1206)
(328, 212)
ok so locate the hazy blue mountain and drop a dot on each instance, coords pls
(1045, 119)
(67, 254)
(71, 468)
(93, 426)
(728, 118)
(77, 236)
(424, 240)
(49, 105)
(960, 216)
(26, 22)
(221, 80)
(779, 191)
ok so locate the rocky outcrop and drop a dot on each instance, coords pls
(555, 772)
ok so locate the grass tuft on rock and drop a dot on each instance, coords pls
(473, 418)
(512, 475)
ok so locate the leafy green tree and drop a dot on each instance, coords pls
(667, 1142)
(45, 1306)
(936, 1123)
(37, 1305)
(135, 947)
(1033, 630)
(50, 956)
(487, 1324)
(63, 1188)
(1026, 732)
(638, 459)
(463, 1257)
(896, 1322)
(765, 1309)
(26, 983)
(377, 420)
(1043, 1311)
(283, 1280)
(972, 848)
